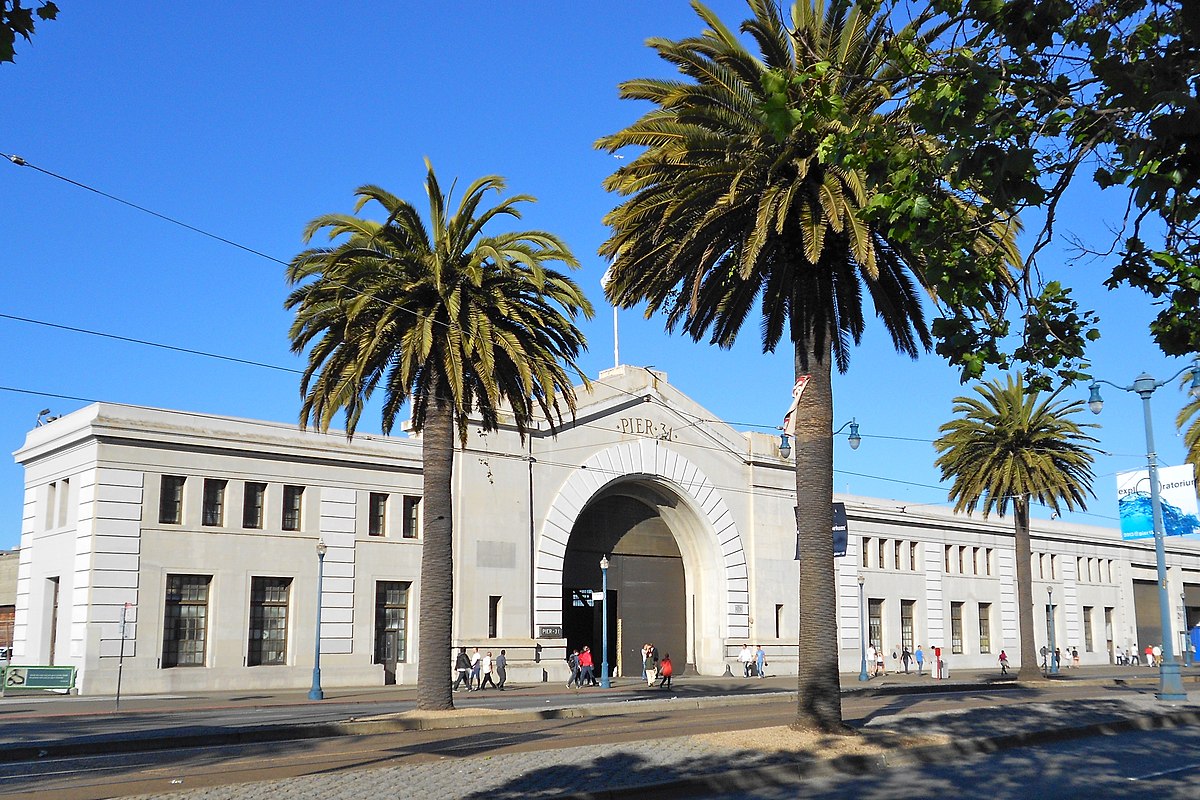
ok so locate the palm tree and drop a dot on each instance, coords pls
(1191, 436)
(1005, 448)
(740, 199)
(453, 320)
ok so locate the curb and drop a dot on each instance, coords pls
(786, 774)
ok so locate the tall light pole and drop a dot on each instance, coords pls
(1170, 686)
(604, 682)
(1050, 628)
(315, 692)
(862, 629)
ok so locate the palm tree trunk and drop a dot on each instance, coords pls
(819, 703)
(1024, 555)
(434, 692)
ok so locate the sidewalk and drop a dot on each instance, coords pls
(671, 767)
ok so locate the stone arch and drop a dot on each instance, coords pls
(653, 460)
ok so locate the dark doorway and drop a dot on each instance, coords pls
(645, 582)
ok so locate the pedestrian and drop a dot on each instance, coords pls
(486, 669)
(1003, 663)
(1194, 636)
(475, 659)
(654, 658)
(573, 663)
(1057, 655)
(462, 665)
(919, 656)
(871, 658)
(1156, 652)
(879, 660)
(501, 669)
(648, 666)
(667, 671)
(643, 656)
(1118, 656)
(746, 656)
(585, 667)
(1075, 657)
(905, 658)
(1149, 656)
(760, 661)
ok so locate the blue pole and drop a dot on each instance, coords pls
(604, 682)
(315, 692)
(862, 631)
(1050, 625)
(1170, 686)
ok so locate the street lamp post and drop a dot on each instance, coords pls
(1050, 625)
(315, 692)
(862, 629)
(604, 682)
(1170, 686)
(854, 440)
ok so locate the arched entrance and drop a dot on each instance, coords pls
(673, 495)
(646, 586)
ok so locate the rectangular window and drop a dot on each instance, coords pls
(866, 551)
(883, 546)
(1089, 645)
(913, 564)
(907, 612)
(1053, 566)
(185, 620)
(974, 560)
(51, 504)
(391, 621)
(875, 623)
(293, 498)
(268, 621)
(1079, 567)
(493, 617)
(985, 627)
(170, 500)
(898, 549)
(947, 556)
(377, 514)
(1108, 631)
(253, 504)
(956, 628)
(214, 502)
(64, 494)
(962, 557)
(987, 561)
(1041, 563)
(412, 517)
(778, 619)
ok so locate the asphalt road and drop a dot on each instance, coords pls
(117, 775)
(1163, 765)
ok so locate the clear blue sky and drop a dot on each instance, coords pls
(249, 119)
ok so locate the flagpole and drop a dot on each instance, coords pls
(616, 336)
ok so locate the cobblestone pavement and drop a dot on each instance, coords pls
(553, 773)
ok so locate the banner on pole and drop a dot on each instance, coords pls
(1176, 493)
(840, 531)
(789, 419)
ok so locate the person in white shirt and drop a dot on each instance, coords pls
(747, 659)
(871, 657)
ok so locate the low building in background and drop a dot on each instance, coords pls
(185, 546)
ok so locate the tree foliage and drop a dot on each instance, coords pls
(1033, 96)
(18, 20)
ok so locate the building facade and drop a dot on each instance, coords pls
(183, 548)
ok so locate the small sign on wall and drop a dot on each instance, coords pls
(550, 632)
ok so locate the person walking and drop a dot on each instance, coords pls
(1075, 657)
(746, 656)
(648, 666)
(573, 663)
(871, 658)
(475, 660)
(879, 660)
(667, 671)
(501, 669)
(585, 667)
(760, 661)
(462, 665)
(919, 657)
(486, 670)
(1003, 663)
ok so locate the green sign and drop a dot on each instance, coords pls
(39, 678)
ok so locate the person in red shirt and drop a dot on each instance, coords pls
(666, 670)
(586, 676)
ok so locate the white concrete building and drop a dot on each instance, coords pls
(201, 531)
